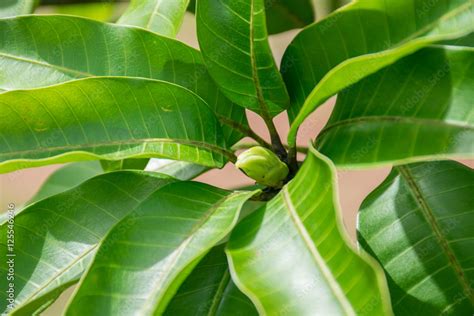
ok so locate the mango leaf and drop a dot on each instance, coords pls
(233, 40)
(360, 39)
(37, 51)
(293, 256)
(56, 238)
(66, 178)
(144, 259)
(282, 15)
(124, 118)
(209, 290)
(16, 7)
(177, 169)
(419, 224)
(161, 16)
(125, 164)
(418, 108)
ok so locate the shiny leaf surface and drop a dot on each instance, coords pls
(56, 238)
(419, 108)
(145, 258)
(47, 125)
(419, 224)
(233, 40)
(293, 256)
(37, 51)
(360, 39)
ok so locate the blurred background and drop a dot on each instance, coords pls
(354, 185)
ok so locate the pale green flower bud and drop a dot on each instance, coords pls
(263, 166)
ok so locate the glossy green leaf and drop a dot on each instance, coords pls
(293, 256)
(145, 258)
(360, 39)
(66, 178)
(209, 290)
(125, 164)
(56, 238)
(416, 109)
(16, 7)
(161, 16)
(283, 15)
(233, 40)
(124, 118)
(177, 169)
(419, 224)
(37, 51)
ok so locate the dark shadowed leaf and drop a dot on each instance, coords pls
(209, 290)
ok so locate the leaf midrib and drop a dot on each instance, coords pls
(164, 281)
(325, 271)
(122, 142)
(48, 65)
(430, 218)
(217, 298)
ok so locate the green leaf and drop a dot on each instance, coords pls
(37, 51)
(283, 15)
(209, 290)
(124, 118)
(16, 7)
(293, 256)
(360, 39)
(144, 259)
(233, 40)
(56, 238)
(66, 178)
(125, 164)
(177, 169)
(419, 224)
(161, 16)
(418, 108)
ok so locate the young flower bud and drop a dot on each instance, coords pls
(263, 166)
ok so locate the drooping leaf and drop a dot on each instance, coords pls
(37, 51)
(66, 178)
(209, 290)
(107, 118)
(177, 169)
(293, 256)
(233, 40)
(10, 8)
(419, 224)
(283, 15)
(418, 108)
(161, 16)
(56, 238)
(145, 258)
(360, 39)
